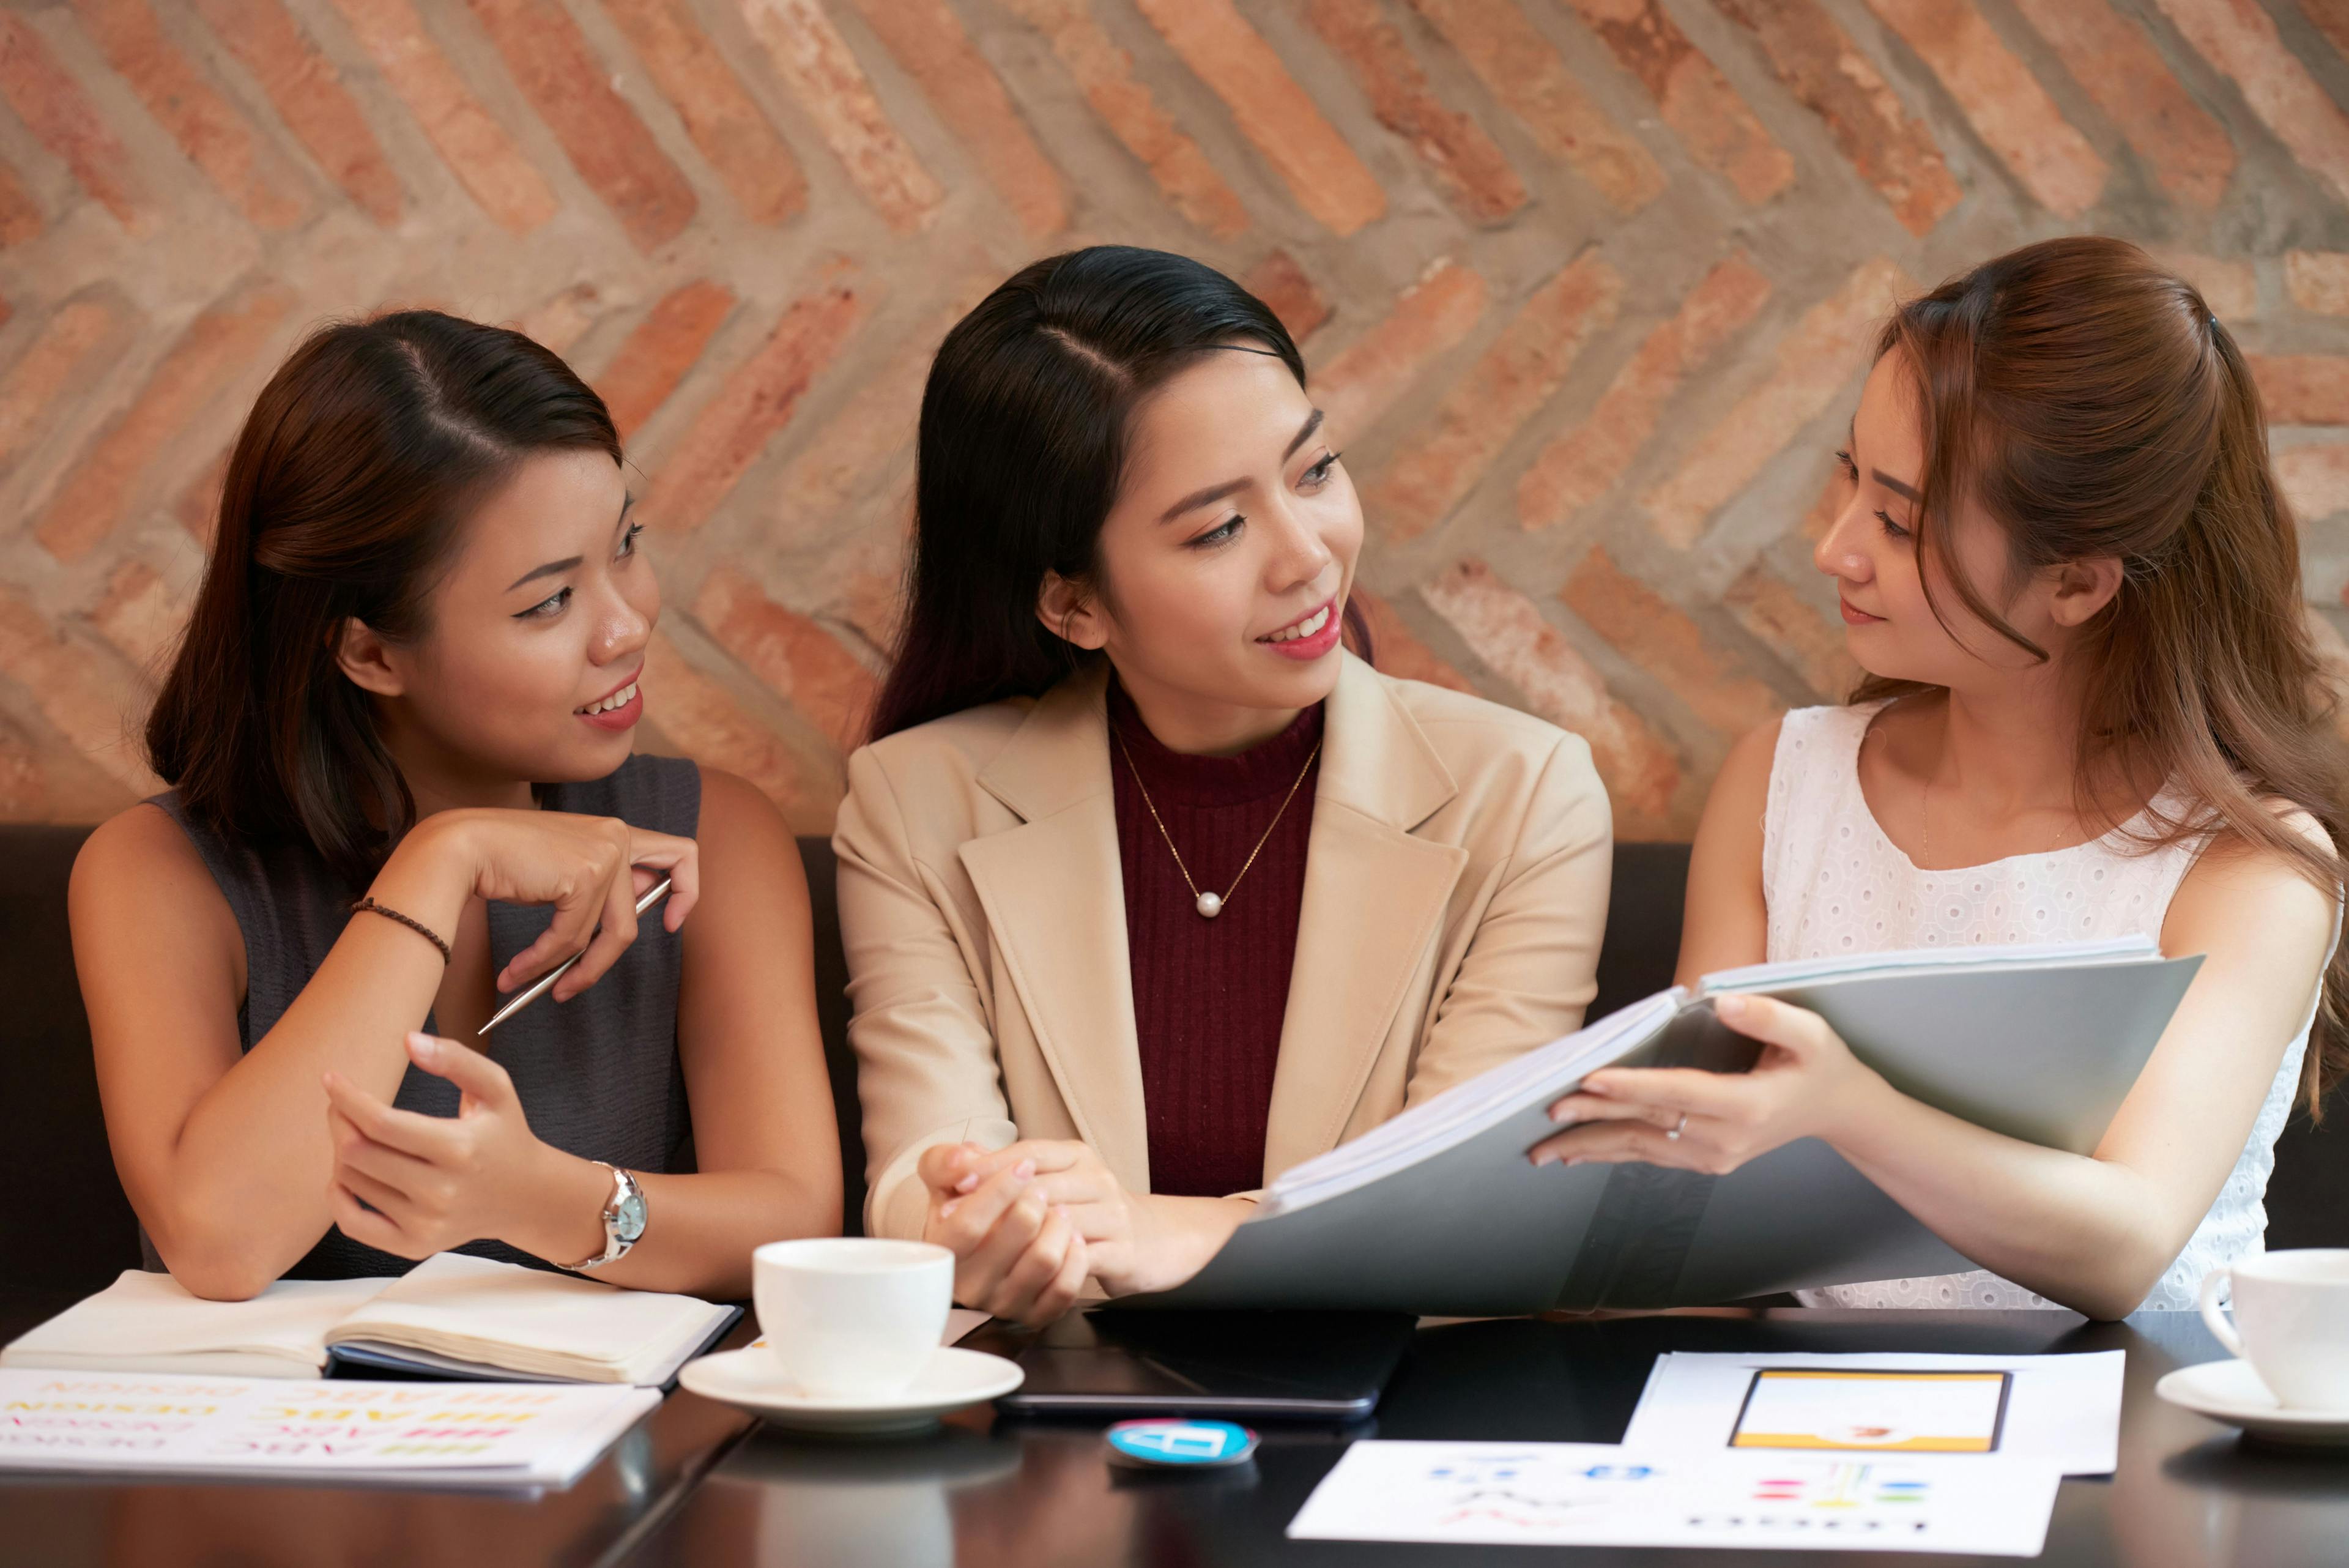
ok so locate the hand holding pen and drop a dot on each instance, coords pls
(594, 871)
(540, 986)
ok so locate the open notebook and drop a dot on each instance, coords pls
(450, 1317)
(1439, 1212)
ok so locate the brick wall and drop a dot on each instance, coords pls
(1585, 284)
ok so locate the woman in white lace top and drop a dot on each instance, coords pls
(2091, 708)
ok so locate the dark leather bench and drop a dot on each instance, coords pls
(66, 1226)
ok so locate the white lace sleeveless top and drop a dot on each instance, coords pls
(1832, 884)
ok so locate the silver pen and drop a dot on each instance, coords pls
(537, 988)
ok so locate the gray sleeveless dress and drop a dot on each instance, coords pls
(597, 1076)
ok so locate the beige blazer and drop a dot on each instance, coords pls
(1455, 890)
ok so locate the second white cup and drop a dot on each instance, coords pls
(2291, 1322)
(851, 1317)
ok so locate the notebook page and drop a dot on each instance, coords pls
(150, 1323)
(547, 1324)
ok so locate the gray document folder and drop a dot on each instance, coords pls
(1440, 1213)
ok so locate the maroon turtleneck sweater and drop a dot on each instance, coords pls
(1208, 994)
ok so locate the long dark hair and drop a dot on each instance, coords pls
(2092, 405)
(344, 496)
(1022, 448)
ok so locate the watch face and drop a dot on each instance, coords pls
(630, 1215)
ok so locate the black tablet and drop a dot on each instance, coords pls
(1317, 1366)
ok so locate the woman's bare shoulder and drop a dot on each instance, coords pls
(1744, 780)
(739, 817)
(2240, 881)
(138, 847)
(2231, 852)
(140, 882)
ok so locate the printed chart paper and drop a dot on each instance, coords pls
(1593, 1494)
(482, 1434)
(2061, 1411)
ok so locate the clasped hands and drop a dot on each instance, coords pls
(1030, 1223)
(1806, 1083)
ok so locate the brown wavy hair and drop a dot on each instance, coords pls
(345, 491)
(2092, 405)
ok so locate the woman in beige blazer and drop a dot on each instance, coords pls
(1135, 540)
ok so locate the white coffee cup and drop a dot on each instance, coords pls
(2291, 1322)
(851, 1317)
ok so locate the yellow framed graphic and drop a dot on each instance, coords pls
(1878, 1411)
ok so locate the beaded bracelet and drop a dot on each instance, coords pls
(370, 906)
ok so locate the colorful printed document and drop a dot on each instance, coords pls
(2064, 1411)
(1592, 1494)
(470, 1434)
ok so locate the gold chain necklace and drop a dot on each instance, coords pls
(1210, 904)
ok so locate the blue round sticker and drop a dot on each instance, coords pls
(1182, 1444)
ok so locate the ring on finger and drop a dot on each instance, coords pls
(1672, 1135)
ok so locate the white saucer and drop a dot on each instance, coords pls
(2231, 1392)
(749, 1380)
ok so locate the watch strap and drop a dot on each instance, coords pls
(615, 1245)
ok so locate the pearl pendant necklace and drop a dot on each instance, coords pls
(1210, 905)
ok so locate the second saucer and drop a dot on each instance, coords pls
(2231, 1392)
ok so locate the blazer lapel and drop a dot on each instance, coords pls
(1373, 898)
(1054, 893)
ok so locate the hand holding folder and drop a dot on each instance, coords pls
(1439, 1210)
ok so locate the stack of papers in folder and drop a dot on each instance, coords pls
(1439, 1210)
(450, 1317)
(1437, 1124)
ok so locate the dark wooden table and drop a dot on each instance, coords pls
(687, 1488)
(988, 1493)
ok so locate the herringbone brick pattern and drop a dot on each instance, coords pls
(1586, 286)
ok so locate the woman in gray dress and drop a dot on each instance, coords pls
(398, 734)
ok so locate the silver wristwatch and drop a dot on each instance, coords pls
(623, 1220)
